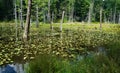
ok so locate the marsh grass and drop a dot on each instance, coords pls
(49, 64)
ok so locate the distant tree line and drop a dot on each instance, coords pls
(49, 11)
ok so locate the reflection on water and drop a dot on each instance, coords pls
(13, 68)
(20, 68)
(100, 50)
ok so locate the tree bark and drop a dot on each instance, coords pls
(119, 19)
(101, 9)
(44, 20)
(27, 26)
(62, 21)
(114, 15)
(52, 17)
(49, 15)
(71, 12)
(37, 21)
(105, 20)
(15, 12)
(90, 12)
(21, 18)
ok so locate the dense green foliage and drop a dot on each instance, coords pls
(78, 8)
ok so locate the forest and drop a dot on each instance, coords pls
(59, 36)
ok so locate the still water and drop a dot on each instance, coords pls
(13, 68)
(20, 68)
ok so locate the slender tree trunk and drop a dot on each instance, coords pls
(37, 21)
(15, 12)
(62, 20)
(111, 14)
(52, 17)
(119, 19)
(27, 26)
(44, 20)
(48, 11)
(71, 13)
(90, 12)
(105, 20)
(21, 18)
(101, 17)
(49, 15)
(114, 15)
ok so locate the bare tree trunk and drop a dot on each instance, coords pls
(111, 14)
(27, 26)
(90, 12)
(44, 17)
(105, 20)
(21, 18)
(71, 13)
(101, 17)
(15, 12)
(49, 15)
(37, 21)
(62, 21)
(114, 15)
(119, 19)
(52, 17)
(48, 11)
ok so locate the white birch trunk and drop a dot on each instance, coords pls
(44, 20)
(62, 21)
(90, 12)
(101, 17)
(37, 21)
(21, 17)
(48, 11)
(52, 17)
(114, 15)
(27, 26)
(119, 19)
(15, 12)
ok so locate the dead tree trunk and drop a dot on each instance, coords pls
(37, 21)
(21, 18)
(52, 17)
(119, 19)
(101, 17)
(15, 12)
(114, 15)
(90, 12)
(105, 20)
(27, 26)
(71, 12)
(49, 15)
(62, 21)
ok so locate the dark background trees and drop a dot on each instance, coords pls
(6, 10)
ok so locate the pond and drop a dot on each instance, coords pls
(13, 68)
(20, 68)
(100, 50)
